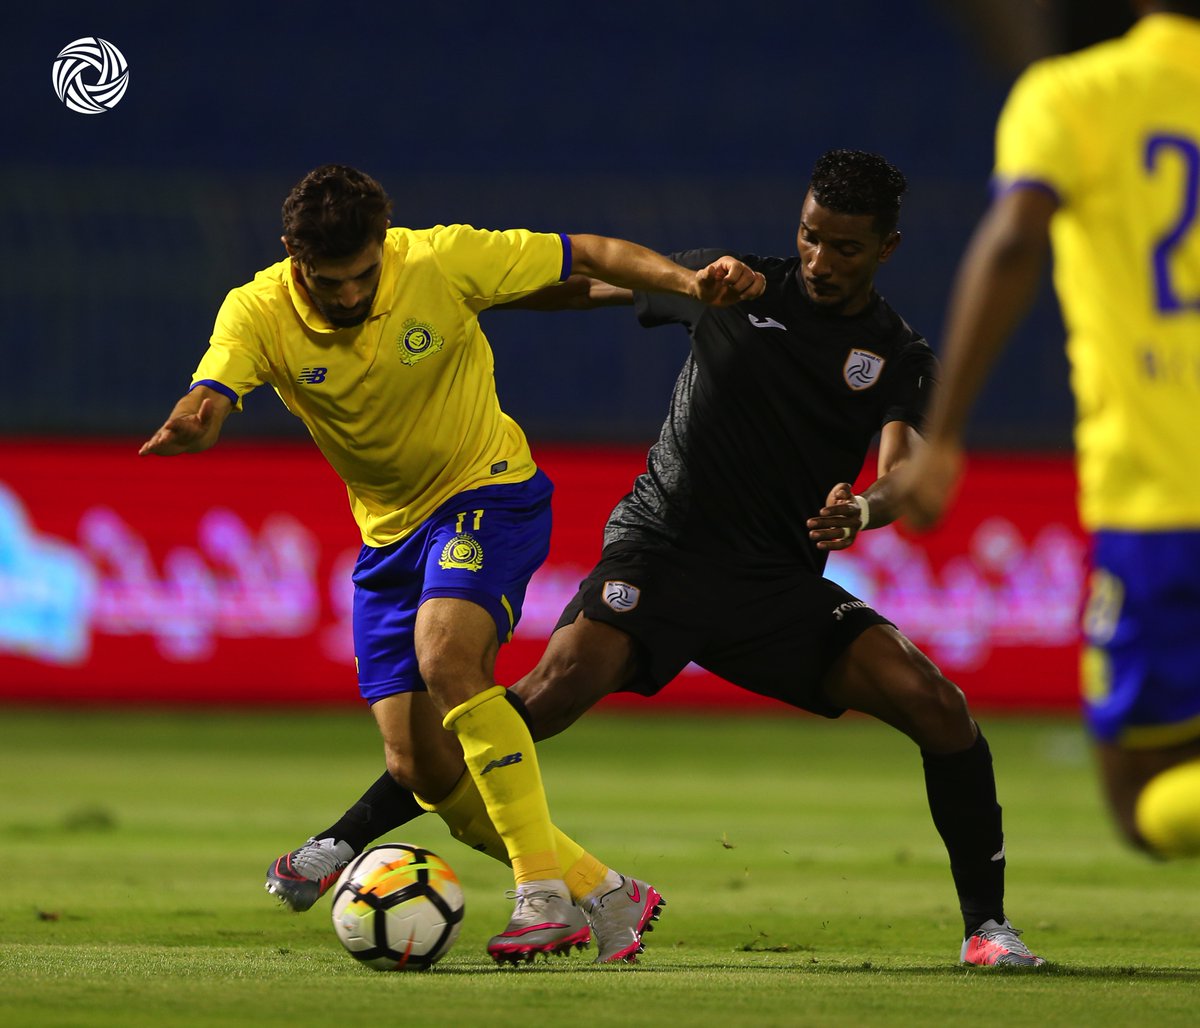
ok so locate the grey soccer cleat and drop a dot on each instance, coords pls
(544, 921)
(302, 877)
(619, 919)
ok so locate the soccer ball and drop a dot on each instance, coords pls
(398, 907)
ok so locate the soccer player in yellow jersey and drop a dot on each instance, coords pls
(370, 335)
(1098, 153)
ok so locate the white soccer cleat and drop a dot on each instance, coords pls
(993, 944)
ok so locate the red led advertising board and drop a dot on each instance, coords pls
(223, 577)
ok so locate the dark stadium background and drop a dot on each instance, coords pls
(676, 123)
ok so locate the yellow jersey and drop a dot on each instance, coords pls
(1114, 132)
(404, 405)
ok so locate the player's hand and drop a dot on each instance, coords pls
(728, 281)
(923, 487)
(181, 432)
(837, 524)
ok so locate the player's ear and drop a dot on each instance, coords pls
(889, 246)
(287, 246)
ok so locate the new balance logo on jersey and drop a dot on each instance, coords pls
(312, 376)
(765, 322)
(508, 761)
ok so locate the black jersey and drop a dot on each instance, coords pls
(778, 401)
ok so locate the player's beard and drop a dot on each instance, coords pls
(337, 317)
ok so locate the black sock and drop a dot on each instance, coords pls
(518, 705)
(382, 807)
(962, 799)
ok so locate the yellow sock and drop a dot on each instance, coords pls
(499, 753)
(467, 818)
(1168, 811)
(584, 873)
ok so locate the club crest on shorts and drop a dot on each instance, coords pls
(417, 341)
(862, 369)
(621, 596)
(463, 551)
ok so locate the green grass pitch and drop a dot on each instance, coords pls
(804, 880)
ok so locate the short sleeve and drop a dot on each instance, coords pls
(489, 267)
(234, 363)
(916, 377)
(1036, 139)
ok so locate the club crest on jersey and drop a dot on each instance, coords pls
(621, 596)
(463, 551)
(417, 341)
(862, 369)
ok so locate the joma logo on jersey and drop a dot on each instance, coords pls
(842, 610)
(621, 596)
(463, 551)
(417, 341)
(312, 376)
(862, 369)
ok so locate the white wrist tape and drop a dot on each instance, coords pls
(864, 512)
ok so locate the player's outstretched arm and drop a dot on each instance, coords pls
(996, 283)
(194, 424)
(577, 293)
(630, 266)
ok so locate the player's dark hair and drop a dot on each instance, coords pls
(333, 212)
(854, 182)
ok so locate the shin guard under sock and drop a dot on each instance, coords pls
(500, 756)
(962, 799)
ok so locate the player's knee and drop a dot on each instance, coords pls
(452, 677)
(1166, 816)
(939, 711)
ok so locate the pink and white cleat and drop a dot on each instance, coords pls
(544, 921)
(993, 943)
(619, 919)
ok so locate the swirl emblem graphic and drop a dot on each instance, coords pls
(621, 596)
(79, 58)
(862, 369)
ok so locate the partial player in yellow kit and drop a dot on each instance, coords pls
(1098, 153)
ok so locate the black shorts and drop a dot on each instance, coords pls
(775, 632)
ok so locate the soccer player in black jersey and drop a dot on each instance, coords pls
(713, 558)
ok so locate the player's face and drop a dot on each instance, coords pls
(343, 290)
(838, 256)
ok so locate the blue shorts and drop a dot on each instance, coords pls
(1140, 673)
(483, 545)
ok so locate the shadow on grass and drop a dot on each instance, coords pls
(1164, 974)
